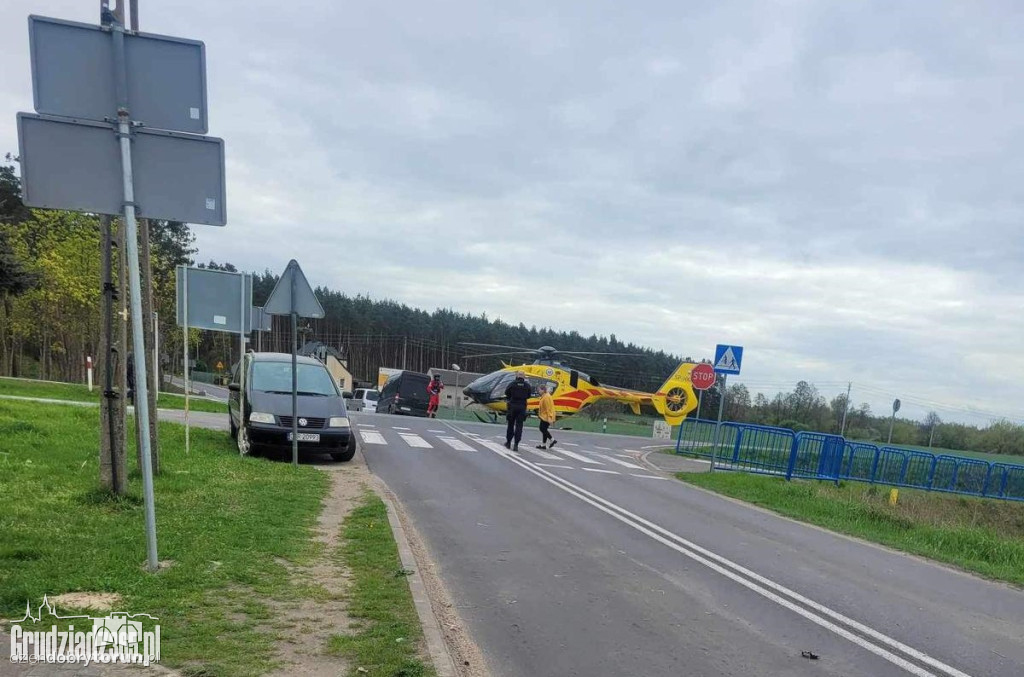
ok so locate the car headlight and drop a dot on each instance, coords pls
(338, 422)
(260, 417)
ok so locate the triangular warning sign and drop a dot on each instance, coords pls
(728, 361)
(292, 294)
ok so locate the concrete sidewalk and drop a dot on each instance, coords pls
(673, 463)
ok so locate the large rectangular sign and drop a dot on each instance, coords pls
(73, 75)
(215, 299)
(76, 165)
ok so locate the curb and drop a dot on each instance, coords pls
(436, 647)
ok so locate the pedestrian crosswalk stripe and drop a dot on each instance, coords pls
(580, 457)
(395, 427)
(555, 465)
(625, 464)
(455, 444)
(569, 444)
(607, 472)
(366, 425)
(543, 454)
(437, 431)
(414, 440)
(372, 437)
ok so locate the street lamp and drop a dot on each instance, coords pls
(455, 410)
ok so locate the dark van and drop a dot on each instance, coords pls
(404, 393)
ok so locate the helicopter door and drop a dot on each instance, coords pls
(574, 378)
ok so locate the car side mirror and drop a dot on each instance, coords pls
(234, 387)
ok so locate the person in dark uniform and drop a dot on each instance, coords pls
(516, 394)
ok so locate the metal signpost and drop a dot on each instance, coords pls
(455, 409)
(261, 322)
(293, 296)
(727, 361)
(88, 81)
(205, 300)
(892, 420)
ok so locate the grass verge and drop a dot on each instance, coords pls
(983, 536)
(230, 525)
(78, 393)
(388, 639)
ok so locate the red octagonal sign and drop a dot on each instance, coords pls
(703, 376)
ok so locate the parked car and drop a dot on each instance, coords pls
(364, 399)
(323, 422)
(405, 393)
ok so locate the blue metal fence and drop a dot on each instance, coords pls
(811, 455)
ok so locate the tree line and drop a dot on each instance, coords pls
(50, 291)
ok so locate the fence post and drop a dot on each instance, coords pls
(988, 476)
(904, 468)
(792, 456)
(874, 464)
(679, 437)
(736, 447)
(931, 476)
(956, 473)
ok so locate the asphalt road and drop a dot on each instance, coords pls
(582, 562)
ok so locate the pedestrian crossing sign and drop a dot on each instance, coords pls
(728, 359)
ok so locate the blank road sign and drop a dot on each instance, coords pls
(73, 75)
(214, 299)
(76, 165)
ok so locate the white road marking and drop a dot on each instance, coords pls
(372, 437)
(580, 457)
(415, 441)
(366, 425)
(437, 431)
(569, 444)
(543, 454)
(457, 445)
(395, 427)
(625, 464)
(604, 448)
(606, 472)
(757, 583)
(553, 465)
(648, 477)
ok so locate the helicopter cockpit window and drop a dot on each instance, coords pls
(498, 391)
(536, 382)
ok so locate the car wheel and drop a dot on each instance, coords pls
(244, 443)
(343, 456)
(232, 428)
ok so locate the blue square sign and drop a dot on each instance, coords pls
(728, 359)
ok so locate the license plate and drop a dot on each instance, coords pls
(306, 437)
(405, 409)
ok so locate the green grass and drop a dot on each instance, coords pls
(228, 524)
(984, 536)
(79, 393)
(388, 640)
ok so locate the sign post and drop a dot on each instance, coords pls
(727, 361)
(702, 377)
(88, 81)
(292, 296)
(892, 420)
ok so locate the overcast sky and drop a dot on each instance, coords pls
(837, 187)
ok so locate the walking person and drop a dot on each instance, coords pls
(516, 394)
(546, 414)
(434, 388)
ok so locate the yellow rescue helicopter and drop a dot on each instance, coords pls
(574, 390)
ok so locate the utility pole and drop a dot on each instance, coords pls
(113, 473)
(405, 352)
(846, 408)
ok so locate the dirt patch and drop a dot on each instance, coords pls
(93, 601)
(307, 625)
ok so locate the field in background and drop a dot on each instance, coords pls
(79, 393)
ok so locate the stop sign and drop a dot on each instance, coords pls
(703, 376)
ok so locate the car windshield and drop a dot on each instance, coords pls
(372, 395)
(272, 377)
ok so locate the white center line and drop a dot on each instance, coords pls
(606, 472)
(580, 457)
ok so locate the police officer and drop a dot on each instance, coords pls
(516, 394)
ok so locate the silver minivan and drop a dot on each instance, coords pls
(364, 399)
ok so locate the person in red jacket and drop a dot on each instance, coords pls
(434, 388)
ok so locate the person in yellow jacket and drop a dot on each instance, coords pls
(546, 414)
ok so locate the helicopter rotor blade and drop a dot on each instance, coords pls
(518, 352)
(494, 345)
(572, 352)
